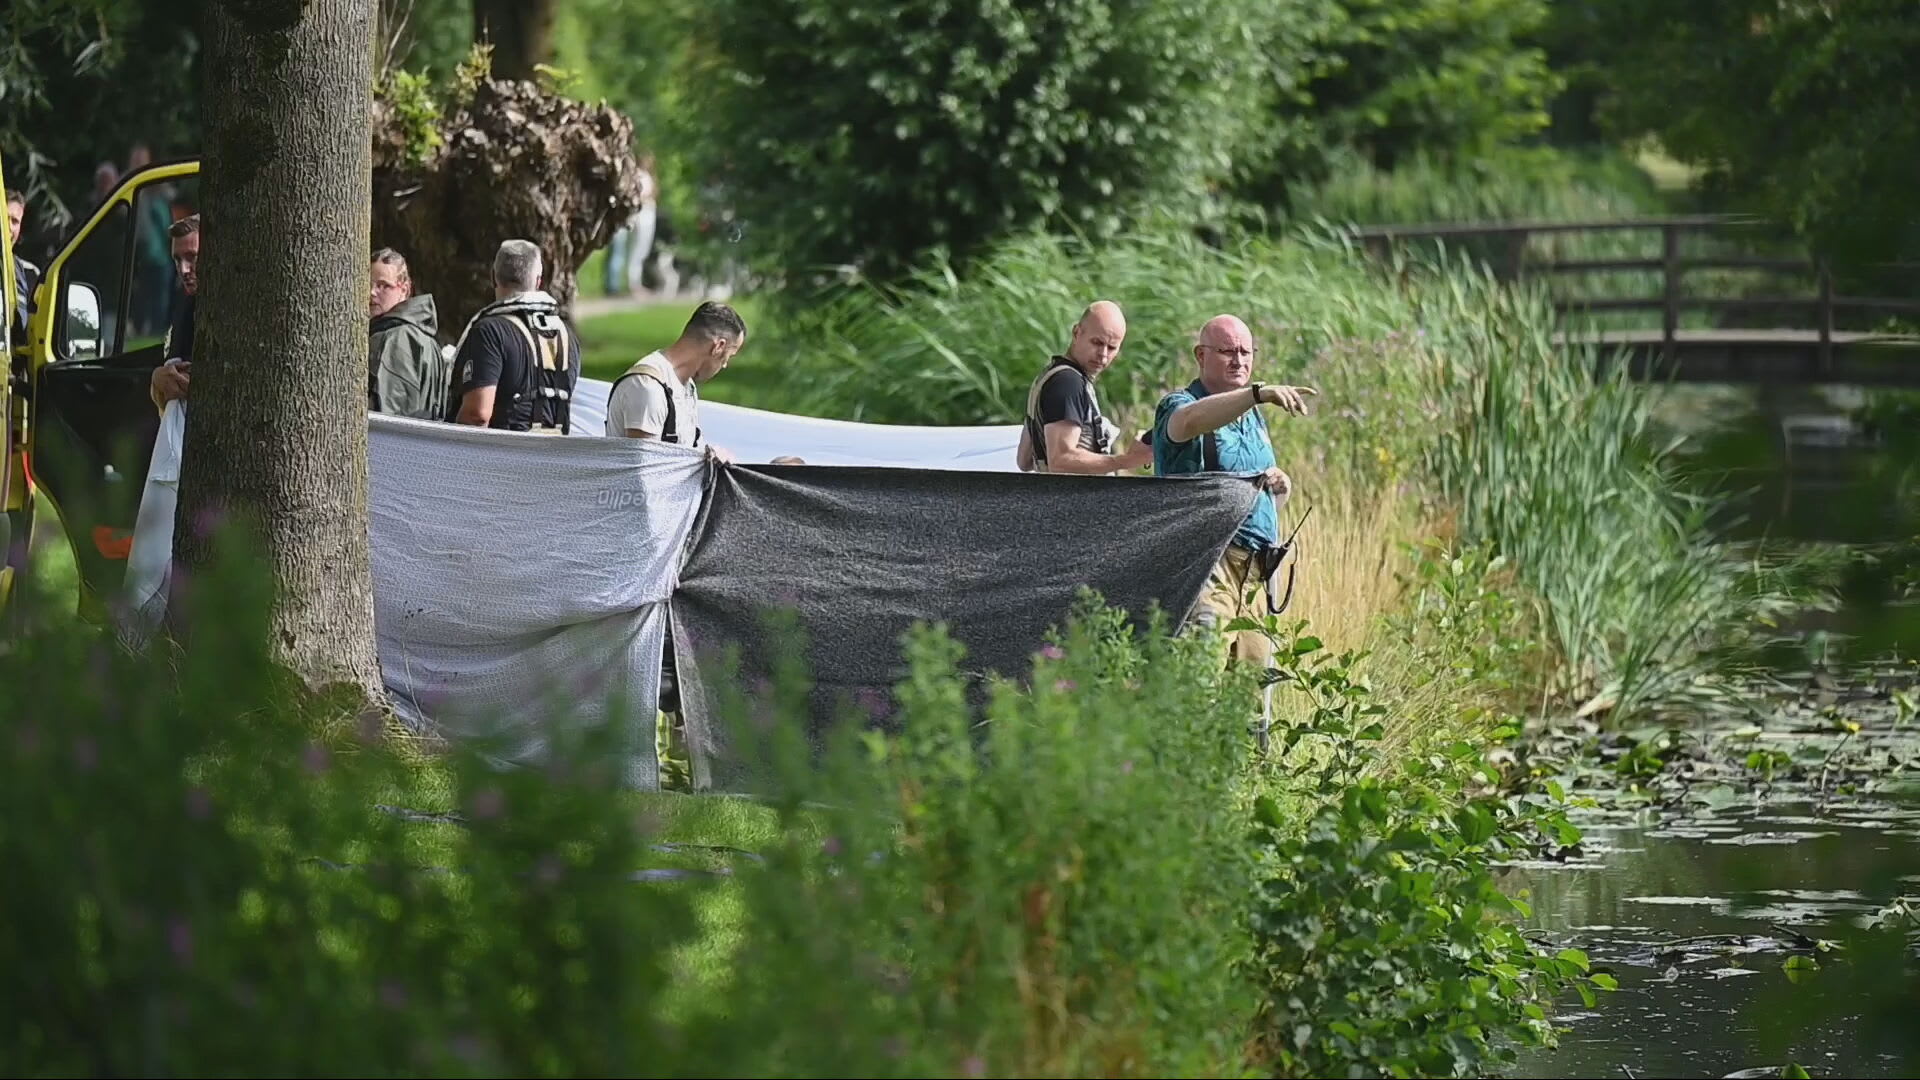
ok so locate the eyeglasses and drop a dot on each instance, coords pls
(1231, 353)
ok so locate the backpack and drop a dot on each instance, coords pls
(549, 342)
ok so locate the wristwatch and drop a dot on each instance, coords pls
(1257, 398)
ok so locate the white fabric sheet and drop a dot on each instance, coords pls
(521, 579)
(755, 436)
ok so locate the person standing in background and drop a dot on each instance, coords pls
(643, 226)
(152, 258)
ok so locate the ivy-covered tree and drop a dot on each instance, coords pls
(870, 132)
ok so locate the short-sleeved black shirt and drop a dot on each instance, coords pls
(179, 340)
(1068, 395)
(496, 354)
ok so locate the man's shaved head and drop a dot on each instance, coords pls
(1225, 353)
(1097, 337)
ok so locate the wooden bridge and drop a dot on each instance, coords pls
(1767, 337)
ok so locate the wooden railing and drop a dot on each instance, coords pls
(1510, 241)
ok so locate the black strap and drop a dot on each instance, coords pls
(669, 431)
(1210, 452)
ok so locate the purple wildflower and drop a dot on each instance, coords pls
(486, 804)
(315, 759)
(180, 941)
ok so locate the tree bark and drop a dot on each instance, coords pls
(276, 440)
(521, 32)
(513, 161)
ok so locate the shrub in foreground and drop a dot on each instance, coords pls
(214, 873)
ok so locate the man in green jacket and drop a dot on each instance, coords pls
(407, 373)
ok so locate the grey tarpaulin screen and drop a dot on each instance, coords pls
(861, 554)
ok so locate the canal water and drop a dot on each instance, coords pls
(1698, 915)
(1710, 901)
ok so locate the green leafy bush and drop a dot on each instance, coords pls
(1382, 82)
(1054, 886)
(201, 880)
(410, 101)
(214, 873)
(1403, 76)
(1382, 945)
(867, 133)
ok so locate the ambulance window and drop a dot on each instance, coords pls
(98, 262)
(156, 296)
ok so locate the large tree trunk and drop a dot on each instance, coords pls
(521, 32)
(276, 438)
(513, 161)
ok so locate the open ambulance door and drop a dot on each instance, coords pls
(13, 480)
(97, 331)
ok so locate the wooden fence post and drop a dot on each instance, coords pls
(1670, 293)
(1826, 319)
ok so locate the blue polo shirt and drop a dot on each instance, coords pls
(1244, 448)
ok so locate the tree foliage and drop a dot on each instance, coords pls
(1804, 112)
(1387, 80)
(1402, 76)
(81, 81)
(870, 131)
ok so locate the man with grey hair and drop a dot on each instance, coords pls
(518, 361)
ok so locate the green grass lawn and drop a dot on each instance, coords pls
(51, 564)
(611, 343)
(701, 833)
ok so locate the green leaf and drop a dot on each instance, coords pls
(1718, 797)
(1306, 645)
(1476, 825)
(1604, 981)
(1800, 968)
(1573, 956)
(1794, 1071)
(1267, 812)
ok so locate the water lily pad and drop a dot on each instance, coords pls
(1768, 839)
(1802, 914)
(1814, 895)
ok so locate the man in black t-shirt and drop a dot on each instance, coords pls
(518, 362)
(1064, 430)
